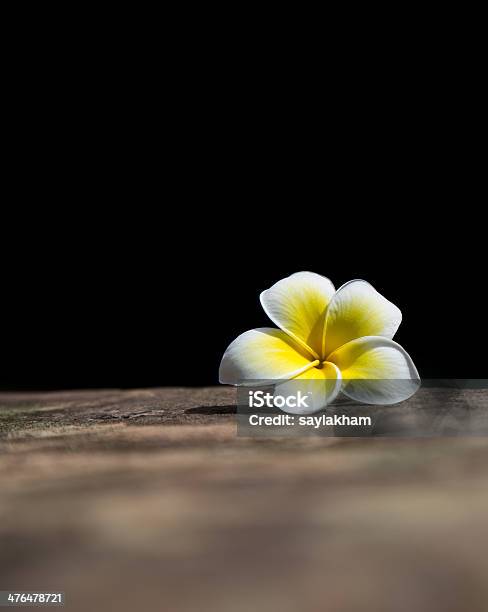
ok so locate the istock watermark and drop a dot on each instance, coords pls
(261, 399)
(297, 408)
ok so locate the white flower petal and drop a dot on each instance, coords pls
(262, 354)
(376, 370)
(297, 304)
(319, 385)
(358, 310)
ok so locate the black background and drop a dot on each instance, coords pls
(134, 251)
(154, 299)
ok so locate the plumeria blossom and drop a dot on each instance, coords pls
(341, 338)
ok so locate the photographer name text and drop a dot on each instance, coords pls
(288, 420)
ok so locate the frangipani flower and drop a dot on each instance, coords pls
(342, 338)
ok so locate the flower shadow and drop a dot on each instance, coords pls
(228, 409)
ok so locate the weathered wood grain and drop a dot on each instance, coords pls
(148, 500)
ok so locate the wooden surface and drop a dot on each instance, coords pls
(147, 500)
